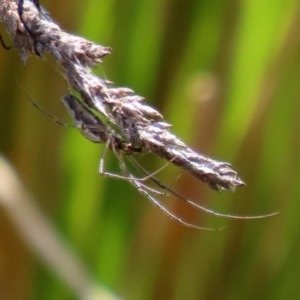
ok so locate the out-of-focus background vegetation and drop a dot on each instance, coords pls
(226, 75)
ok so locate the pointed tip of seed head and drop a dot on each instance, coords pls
(221, 182)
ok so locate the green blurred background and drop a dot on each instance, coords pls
(226, 75)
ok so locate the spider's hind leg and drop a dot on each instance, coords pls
(196, 205)
(143, 189)
(119, 155)
(124, 169)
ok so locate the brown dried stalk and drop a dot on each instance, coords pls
(136, 122)
(43, 240)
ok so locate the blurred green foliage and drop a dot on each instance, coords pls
(226, 75)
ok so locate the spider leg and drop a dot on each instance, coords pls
(50, 116)
(103, 172)
(165, 210)
(141, 188)
(196, 205)
(146, 191)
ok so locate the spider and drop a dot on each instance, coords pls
(95, 130)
